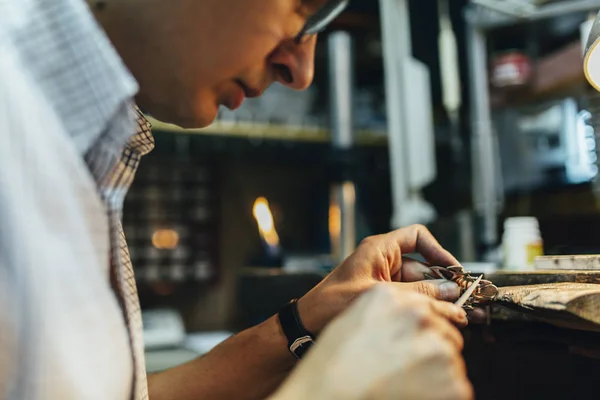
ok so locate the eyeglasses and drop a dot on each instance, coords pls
(319, 21)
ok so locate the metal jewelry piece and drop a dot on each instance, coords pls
(462, 300)
(485, 292)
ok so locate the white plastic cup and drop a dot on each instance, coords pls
(521, 243)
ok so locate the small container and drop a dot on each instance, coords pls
(521, 243)
(511, 69)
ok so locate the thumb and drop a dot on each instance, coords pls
(440, 289)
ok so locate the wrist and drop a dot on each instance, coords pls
(323, 303)
(310, 315)
(316, 309)
(270, 334)
(300, 339)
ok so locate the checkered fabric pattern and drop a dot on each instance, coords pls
(113, 186)
(82, 81)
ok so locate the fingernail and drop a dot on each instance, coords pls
(462, 315)
(449, 291)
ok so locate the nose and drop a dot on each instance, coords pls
(294, 63)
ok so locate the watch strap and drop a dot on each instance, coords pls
(300, 340)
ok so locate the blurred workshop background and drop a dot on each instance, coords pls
(471, 117)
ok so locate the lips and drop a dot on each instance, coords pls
(242, 91)
(249, 92)
(235, 100)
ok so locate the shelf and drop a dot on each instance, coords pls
(258, 131)
(490, 14)
(554, 75)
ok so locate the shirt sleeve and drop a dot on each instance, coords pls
(62, 334)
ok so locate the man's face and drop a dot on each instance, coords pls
(191, 56)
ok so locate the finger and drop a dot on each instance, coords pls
(451, 312)
(440, 289)
(465, 390)
(461, 387)
(459, 367)
(412, 271)
(448, 331)
(418, 239)
(477, 315)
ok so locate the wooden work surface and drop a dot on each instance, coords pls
(537, 277)
(567, 299)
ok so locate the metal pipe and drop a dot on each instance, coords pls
(340, 78)
(397, 48)
(343, 200)
(486, 191)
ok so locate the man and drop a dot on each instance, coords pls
(71, 139)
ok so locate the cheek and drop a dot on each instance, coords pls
(221, 39)
(243, 35)
(242, 53)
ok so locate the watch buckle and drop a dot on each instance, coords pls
(301, 341)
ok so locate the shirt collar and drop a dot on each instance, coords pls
(75, 64)
(143, 141)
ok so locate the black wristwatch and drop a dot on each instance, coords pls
(299, 338)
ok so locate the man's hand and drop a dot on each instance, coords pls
(378, 259)
(393, 343)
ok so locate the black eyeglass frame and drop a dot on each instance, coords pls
(319, 21)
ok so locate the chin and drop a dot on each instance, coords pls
(200, 116)
(195, 122)
(188, 120)
(187, 115)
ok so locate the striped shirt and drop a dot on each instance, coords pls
(71, 139)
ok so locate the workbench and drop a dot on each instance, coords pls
(512, 356)
(515, 356)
